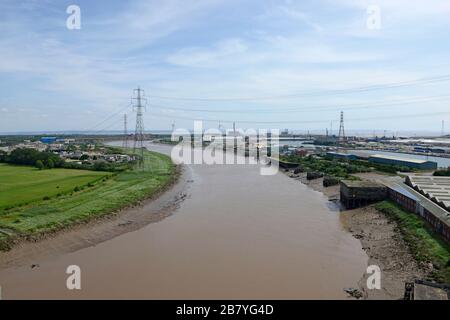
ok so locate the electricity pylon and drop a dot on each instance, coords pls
(341, 137)
(139, 132)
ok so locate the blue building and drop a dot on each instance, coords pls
(404, 162)
(48, 140)
(342, 156)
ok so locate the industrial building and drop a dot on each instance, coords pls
(343, 156)
(432, 208)
(355, 194)
(404, 162)
(437, 189)
(48, 140)
(412, 201)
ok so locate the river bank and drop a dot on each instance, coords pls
(236, 234)
(90, 205)
(386, 249)
(382, 242)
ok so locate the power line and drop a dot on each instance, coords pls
(115, 123)
(389, 117)
(317, 108)
(391, 85)
(107, 118)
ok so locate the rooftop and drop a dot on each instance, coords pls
(435, 188)
(361, 184)
(382, 156)
(437, 210)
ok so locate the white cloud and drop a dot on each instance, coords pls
(293, 47)
(195, 56)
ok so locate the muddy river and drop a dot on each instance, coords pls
(237, 234)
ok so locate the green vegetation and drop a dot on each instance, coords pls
(442, 173)
(86, 202)
(48, 160)
(100, 166)
(21, 185)
(425, 245)
(31, 157)
(334, 168)
(387, 168)
(340, 168)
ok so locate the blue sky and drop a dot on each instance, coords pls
(248, 61)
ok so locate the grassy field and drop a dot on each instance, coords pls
(22, 184)
(92, 201)
(423, 242)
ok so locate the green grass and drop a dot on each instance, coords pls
(425, 245)
(22, 184)
(100, 199)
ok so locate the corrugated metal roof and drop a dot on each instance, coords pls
(423, 201)
(435, 188)
(380, 156)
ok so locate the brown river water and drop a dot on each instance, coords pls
(237, 235)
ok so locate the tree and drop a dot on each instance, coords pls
(50, 164)
(3, 156)
(40, 164)
(25, 156)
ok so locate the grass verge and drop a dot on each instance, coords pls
(21, 185)
(425, 245)
(89, 202)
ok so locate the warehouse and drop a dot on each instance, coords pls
(409, 199)
(404, 162)
(343, 156)
(437, 189)
(48, 140)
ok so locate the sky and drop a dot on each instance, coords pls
(264, 64)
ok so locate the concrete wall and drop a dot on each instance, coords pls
(358, 196)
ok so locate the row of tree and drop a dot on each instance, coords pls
(31, 157)
(442, 173)
(48, 160)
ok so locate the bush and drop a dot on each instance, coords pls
(330, 181)
(40, 165)
(313, 175)
(442, 173)
(50, 164)
(298, 170)
(25, 156)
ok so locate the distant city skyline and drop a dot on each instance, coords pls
(272, 64)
